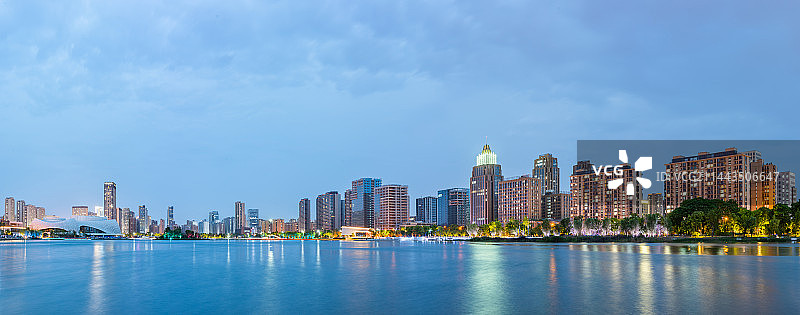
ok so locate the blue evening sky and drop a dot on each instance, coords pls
(199, 104)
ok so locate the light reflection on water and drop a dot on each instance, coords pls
(395, 277)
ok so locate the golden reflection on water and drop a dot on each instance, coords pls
(646, 287)
(691, 249)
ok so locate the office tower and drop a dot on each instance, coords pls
(143, 220)
(98, 211)
(170, 217)
(30, 214)
(11, 213)
(696, 177)
(347, 207)
(252, 220)
(204, 227)
(110, 201)
(80, 210)
(241, 217)
(162, 226)
(213, 219)
(363, 213)
(427, 210)
(519, 198)
(391, 206)
(304, 217)
(763, 184)
(486, 175)
(343, 217)
(328, 211)
(452, 206)
(545, 168)
(555, 206)
(655, 204)
(592, 198)
(229, 225)
(786, 189)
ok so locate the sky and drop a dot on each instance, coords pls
(198, 104)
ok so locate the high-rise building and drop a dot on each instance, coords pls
(452, 206)
(555, 206)
(98, 211)
(592, 198)
(110, 201)
(11, 213)
(133, 222)
(304, 216)
(486, 175)
(363, 212)
(391, 206)
(39, 213)
(655, 203)
(252, 220)
(696, 177)
(519, 198)
(328, 211)
(229, 225)
(144, 220)
(786, 189)
(545, 168)
(347, 207)
(80, 210)
(241, 217)
(763, 184)
(170, 217)
(427, 210)
(213, 219)
(22, 213)
(124, 218)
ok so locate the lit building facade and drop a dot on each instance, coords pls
(144, 220)
(391, 206)
(655, 204)
(170, 217)
(697, 177)
(110, 201)
(519, 198)
(592, 198)
(486, 175)
(555, 206)
(763, 185)
(786, 189)
(545, 169)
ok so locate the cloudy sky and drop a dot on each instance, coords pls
(201, 104)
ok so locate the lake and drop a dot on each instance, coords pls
(138, 277)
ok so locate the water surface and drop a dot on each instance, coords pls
(135, 277)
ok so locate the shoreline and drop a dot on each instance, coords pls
(630, 239)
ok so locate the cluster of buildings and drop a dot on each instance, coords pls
(743, 177)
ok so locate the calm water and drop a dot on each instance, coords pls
(130, 277)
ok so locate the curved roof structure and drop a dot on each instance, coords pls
(92, 225)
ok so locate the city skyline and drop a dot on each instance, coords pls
(205, 104)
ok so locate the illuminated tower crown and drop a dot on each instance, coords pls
(486, 156)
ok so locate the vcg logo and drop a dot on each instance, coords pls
(642, 164)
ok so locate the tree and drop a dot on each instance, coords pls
(746, 220)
